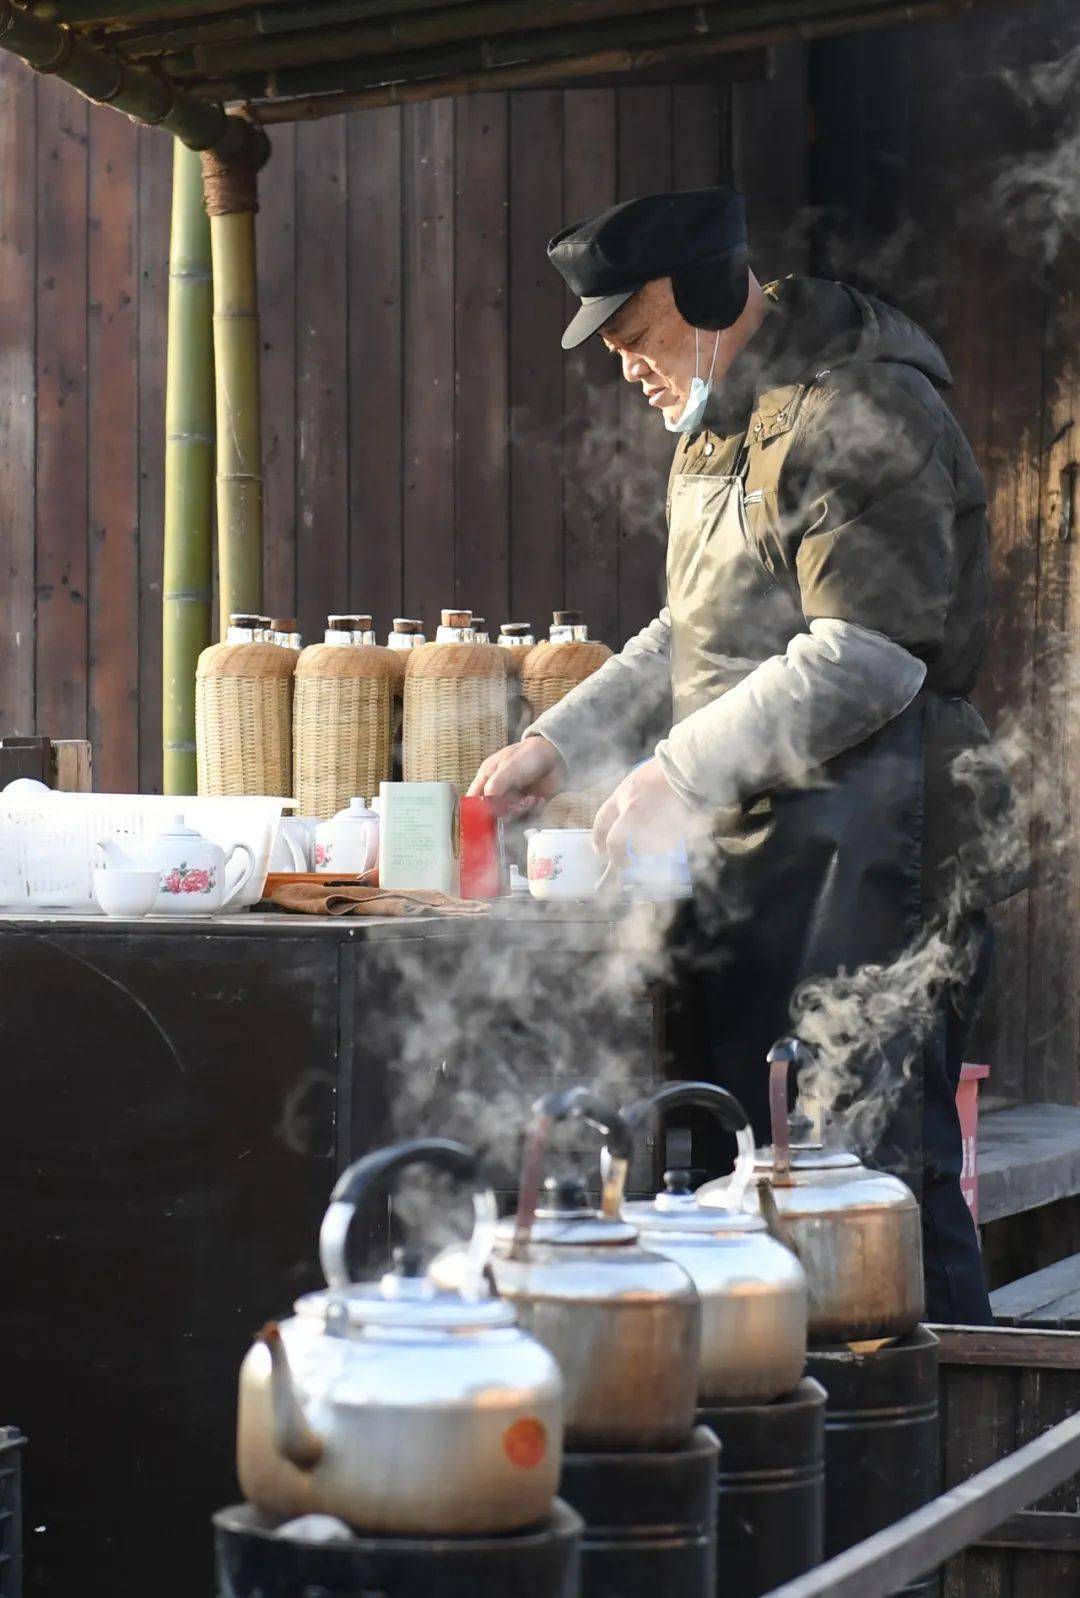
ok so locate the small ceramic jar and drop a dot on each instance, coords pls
(197, 877)
(563, 864)
(349, 842)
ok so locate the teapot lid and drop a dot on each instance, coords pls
(174, 826)
(566, 1218)
(809, 1157)
(677, 1209)
(405, 1298)
(357, 809)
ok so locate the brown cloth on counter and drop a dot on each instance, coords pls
(353, 898)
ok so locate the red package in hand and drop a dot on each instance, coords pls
(483, 854)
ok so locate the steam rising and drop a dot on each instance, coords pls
(1037, 194)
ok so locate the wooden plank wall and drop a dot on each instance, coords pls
(428, 441)
(422, 426)
(917, 144)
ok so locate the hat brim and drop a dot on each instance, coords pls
(595, 311)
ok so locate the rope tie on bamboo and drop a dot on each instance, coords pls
(231, 182)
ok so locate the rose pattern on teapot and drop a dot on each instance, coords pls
(545, 868)
(189, 879)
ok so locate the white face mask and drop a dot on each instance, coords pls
(690, 417)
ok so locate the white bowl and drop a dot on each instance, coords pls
(122, 892)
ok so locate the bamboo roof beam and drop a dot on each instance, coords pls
(52, 48)
(500, 24)
(544, 58)
(259, 20)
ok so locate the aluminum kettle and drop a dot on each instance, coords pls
(752, 1288)
(400, 1408)
(857, 1232)
(624, 1323)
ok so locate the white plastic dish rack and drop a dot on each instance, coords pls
(47, 839)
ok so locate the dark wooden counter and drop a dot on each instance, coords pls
(178, 1095)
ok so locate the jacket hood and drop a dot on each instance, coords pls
(829, 324)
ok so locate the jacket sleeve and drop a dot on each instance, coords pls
(868, 496)
(614, 717)
(833, 687)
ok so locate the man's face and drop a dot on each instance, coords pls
(655, 346)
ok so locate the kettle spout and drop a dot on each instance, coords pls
(293, 1437)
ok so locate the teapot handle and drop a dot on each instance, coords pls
(240, 882)
(365, 1179)
(721, 1104)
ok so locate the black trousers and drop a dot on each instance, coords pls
(700, 1013)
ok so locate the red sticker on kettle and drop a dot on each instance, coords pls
(525, 1442)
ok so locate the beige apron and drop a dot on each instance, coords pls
(809, 877)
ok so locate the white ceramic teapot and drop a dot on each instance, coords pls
(198, 878)
(349, 841)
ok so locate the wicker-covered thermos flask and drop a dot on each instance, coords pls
(343, 720)
(550, 671)
(243, 712)
(457, 701)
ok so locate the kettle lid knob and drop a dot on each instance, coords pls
(677, 1182)
(566, 1193)
(408, 1260)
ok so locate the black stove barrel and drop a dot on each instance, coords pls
(540, 1562)
(650, 1520)
(770, 1507)
(881, 1439)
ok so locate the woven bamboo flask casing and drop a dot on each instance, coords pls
(457, 698)
(343, 724)
(243, 719)
(550, 672)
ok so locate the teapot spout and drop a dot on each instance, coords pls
(293, 1437)
(116, 857)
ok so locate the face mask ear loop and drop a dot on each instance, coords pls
(712, 363)
(697, 361)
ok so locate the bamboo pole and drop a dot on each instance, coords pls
(189, 471)
(231, 190)
(105, 79)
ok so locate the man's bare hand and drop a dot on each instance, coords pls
(522, 776)
(646, 811)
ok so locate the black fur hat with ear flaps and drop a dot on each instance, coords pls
(697, 237)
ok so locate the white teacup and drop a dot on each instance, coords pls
(562, 863)
(126, 892)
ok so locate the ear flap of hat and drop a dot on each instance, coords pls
(711, 293)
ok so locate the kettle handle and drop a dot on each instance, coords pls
(369, 1177)
(780, 1058)
(564, 1105)
(721, 1104)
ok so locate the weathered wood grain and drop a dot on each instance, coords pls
(18, 322)
(535, 320)
(113, 444)
(428, 443)
(375, 363)
(321, 376)
(155, 199)
(481, 392)
(590, 484)
(61, 464)
(275, 232)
